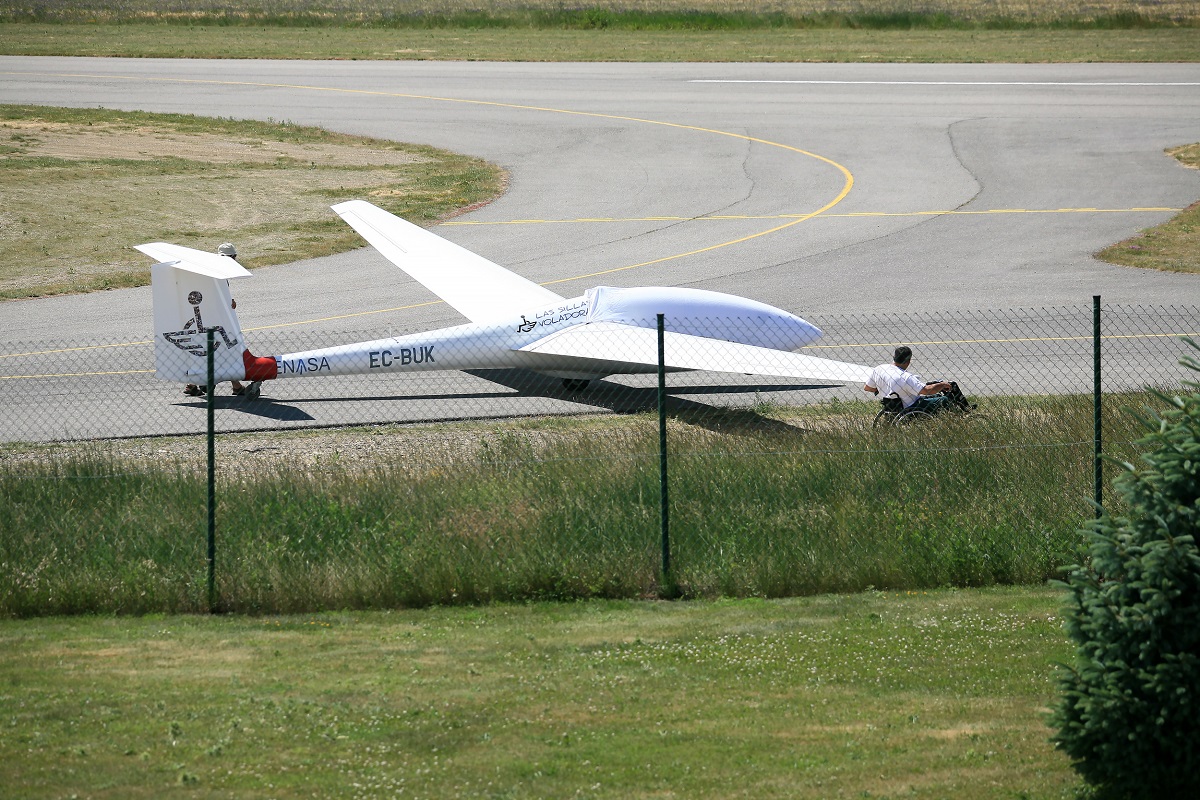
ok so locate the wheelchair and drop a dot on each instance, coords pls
(894, 414)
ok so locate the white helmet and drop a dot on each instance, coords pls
(227, 249)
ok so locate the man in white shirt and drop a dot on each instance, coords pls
(894, 378)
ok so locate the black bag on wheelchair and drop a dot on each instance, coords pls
(957, 397)
(892, 404)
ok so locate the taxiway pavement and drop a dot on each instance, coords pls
(837, 191)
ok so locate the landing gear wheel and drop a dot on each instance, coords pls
(253, 391)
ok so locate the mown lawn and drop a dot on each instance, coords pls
(881, 694)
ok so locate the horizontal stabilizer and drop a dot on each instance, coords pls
(479, 289)
(613, 342)
(201, 262)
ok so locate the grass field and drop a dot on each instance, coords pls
(557, 509)
(617, 30)
(883, 694)
(145, 40)
(601, 14)
(198, 181)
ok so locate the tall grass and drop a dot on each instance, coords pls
(769, 510)
(662, 15)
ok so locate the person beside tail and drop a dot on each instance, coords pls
(194, 389)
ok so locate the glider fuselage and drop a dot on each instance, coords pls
(498, 345)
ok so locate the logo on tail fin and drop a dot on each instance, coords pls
(185, 339)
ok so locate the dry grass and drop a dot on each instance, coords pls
(142, 177)
(74, 142)
(346, 11)
(1173, 246)
(1188, 155)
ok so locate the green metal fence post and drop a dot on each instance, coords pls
(1098, 445)
(662, 447)
(212, 480)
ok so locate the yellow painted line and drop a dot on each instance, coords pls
(961, 213)
(931, 342)
(1114, 337)
(345, 316)
(259, 328)
(850, 214)
(72, 349)
(794, 219)
(848, 178)
(75, 374)
(650, 219)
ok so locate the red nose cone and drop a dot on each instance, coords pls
(259, 369)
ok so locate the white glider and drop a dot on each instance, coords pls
(514, 323)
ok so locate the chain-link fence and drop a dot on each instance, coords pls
(434, 485)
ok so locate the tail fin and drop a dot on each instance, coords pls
(191, 297)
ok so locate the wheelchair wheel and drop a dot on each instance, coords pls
(884, 419)
(907, 418)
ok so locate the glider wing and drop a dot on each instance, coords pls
(613, 342)
(479, 289)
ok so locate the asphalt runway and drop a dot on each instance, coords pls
(847, 193)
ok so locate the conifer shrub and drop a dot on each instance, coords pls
(1129, 714)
